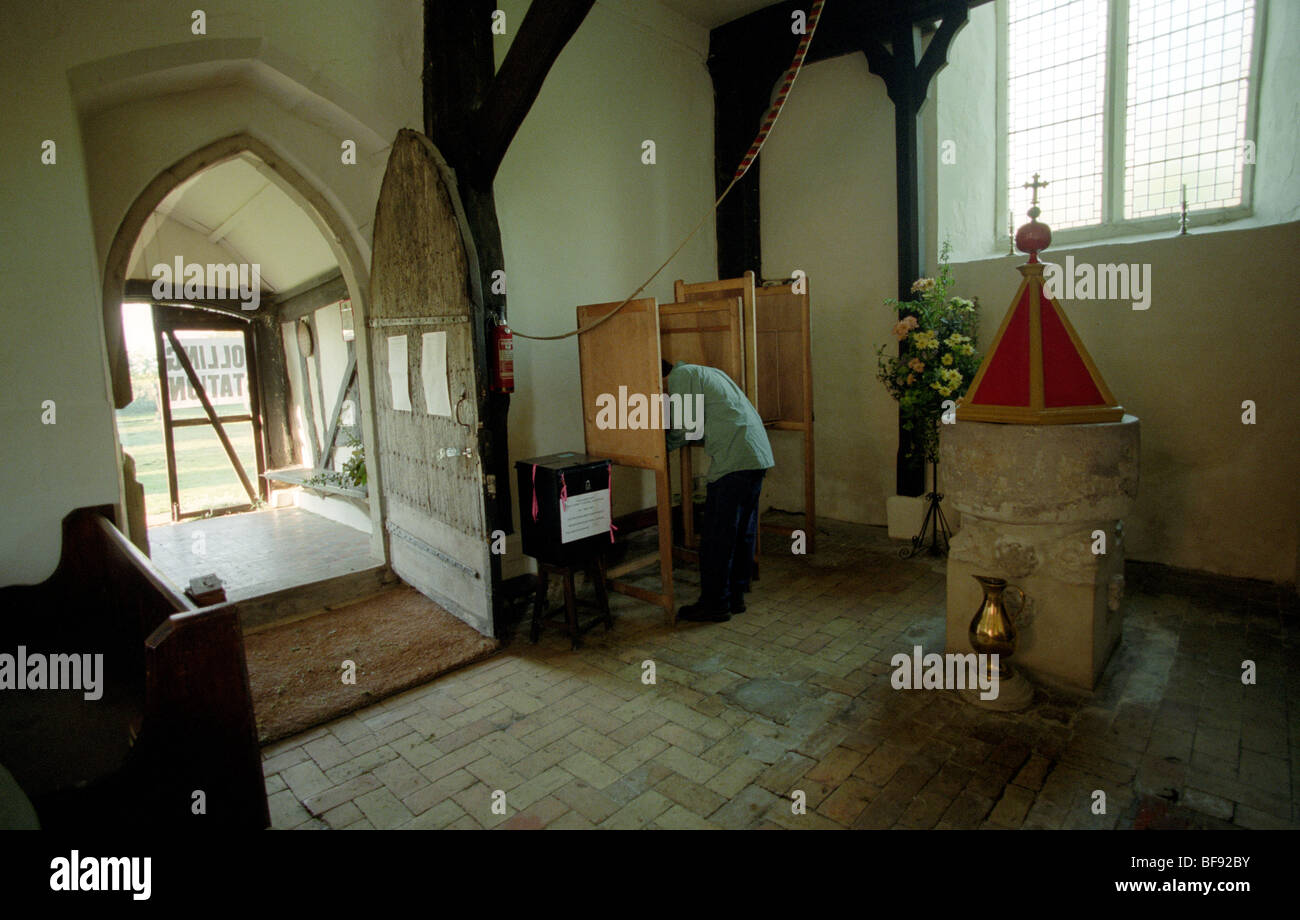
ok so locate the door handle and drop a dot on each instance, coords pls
(463, 397)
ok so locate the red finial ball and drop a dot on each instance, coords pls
(1033, 237)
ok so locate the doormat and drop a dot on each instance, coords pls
(397, 640)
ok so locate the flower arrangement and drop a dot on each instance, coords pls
(937, 358)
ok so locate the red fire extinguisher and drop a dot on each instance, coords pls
(503, 344)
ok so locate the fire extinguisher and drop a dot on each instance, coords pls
(503, 345)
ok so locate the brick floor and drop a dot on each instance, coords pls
(794, 695)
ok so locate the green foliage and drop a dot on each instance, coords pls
(352, 476)
(938, 357)
(355, 467)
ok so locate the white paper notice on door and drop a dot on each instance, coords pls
(433, 373)
(584, 515)
(397, 373)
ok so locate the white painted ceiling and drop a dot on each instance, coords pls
(234, 212)
(713, 13)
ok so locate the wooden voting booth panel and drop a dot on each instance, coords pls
(784, 337)
(742, 288)
(624, 352)
(776, 341)
(784, 355)
(707, 332)
(683, 292)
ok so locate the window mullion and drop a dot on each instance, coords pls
(1002, 200)
(1115, 120)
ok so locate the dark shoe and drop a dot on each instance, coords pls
(699, 613)
(738, 606)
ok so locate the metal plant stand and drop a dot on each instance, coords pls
(934, 522)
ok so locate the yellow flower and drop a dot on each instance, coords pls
(947, 359)
(922, 285)
(925, 341)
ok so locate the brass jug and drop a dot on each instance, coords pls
(993, 630)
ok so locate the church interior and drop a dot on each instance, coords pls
(333, 502)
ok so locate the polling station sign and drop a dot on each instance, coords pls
(221, 364)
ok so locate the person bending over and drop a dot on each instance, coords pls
(739, 456)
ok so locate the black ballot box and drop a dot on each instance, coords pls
(564, 507)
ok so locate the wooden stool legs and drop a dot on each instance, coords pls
(595, 570)
(596, 574)
(539, 604)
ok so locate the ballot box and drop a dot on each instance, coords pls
(565, 507)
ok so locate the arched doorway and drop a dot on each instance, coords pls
(287, 327)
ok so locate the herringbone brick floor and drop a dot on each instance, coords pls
(794, 696)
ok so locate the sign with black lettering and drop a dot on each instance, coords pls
(220, 364)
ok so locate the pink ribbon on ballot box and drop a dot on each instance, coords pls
(612, 528)
(534, 493)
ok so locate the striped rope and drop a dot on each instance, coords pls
(773, 112)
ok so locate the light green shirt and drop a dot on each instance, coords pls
(734, 437)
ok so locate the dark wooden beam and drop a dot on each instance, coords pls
(744, 66)
(273, 379)
(844, 21)
(459, 70)
(935, 57)
(136, 290)
(547, 27)
(907, 72)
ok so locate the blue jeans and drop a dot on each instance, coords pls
(728, 536)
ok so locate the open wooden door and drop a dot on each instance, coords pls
(426, 353)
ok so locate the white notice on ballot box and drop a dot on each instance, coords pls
(584, 515)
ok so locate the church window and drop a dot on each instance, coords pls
(1127, 106)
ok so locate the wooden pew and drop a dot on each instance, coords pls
(176, 715)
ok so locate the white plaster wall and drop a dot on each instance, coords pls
(965, 96)
(584, 221)
(333, 353)
(164, 240)
(339, 510)
(829, 208)
(360, 64)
